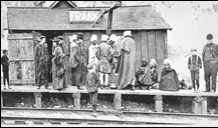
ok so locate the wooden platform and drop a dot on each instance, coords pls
(199, 99)
(73, 89)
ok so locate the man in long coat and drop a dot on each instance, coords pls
(75, 60)
(93, 49)
(210, 60)
(127, 62)
(40, 52)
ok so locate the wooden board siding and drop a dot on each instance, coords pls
(160, 49)
(144, 45)
(152, 44)
(21, 56)
(22, 72)
(137, 38)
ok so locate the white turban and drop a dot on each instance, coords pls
(127, 33)
(168, 61)
(72, 38)
(153, 62)
(94, 38)
(113, 37)
(104, 37)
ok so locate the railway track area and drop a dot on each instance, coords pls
(40, 117)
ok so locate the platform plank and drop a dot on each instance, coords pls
(72, 89)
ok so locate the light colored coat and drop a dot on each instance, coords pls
(93, 49)
(127, 63)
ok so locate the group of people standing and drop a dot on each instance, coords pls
(115, 54)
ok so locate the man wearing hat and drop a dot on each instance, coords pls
(210, 60)
(54, 43)
(40, 55)
(127, 62)
(61, 42)
(84, 57)
(75, 60)
(37, 40)
(5, 65)
(194, 65)
(104, 55)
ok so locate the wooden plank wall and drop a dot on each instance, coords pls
(21, 56)
(150, 44)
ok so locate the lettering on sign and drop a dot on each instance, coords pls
(83, 16)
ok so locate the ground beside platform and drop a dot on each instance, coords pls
(129, 102)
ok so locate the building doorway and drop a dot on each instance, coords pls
(49, 36)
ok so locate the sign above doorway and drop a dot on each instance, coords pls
(83, 15)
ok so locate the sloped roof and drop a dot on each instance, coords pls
(125, 17)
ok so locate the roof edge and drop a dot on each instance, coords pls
(84, 29)
(79, 7)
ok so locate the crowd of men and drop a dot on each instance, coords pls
(116, 54)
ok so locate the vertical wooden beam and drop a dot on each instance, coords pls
(148, 52)
(109, 22)
(204, 106)
(166, 45)
(2, 99)
(196, 105)
(158, 103)
(117, 101)
(156, 49)
(77, 97)
(38, 99)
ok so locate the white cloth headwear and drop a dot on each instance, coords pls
(168, 61)
(153, 62)
(113, 37)
(104, 37)
(72, 38)
(127, 33)
(94, 38)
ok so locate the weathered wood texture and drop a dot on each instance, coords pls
(77, 97)
(150, 44)
(158, 103)
(117, 101)
(38, 99)
(21, 49)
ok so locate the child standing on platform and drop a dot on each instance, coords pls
(92, 83)
(194, 65)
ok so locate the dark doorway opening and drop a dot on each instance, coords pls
(49, 36)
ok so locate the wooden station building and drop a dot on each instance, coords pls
(64, 18)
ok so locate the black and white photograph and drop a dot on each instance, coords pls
(109, 63)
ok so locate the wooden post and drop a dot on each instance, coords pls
(197, 105)
(117, 101)
(158, 103)
(38, 99)
(204, 106)
(76, 97)
(109, 22)
(1, 100)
